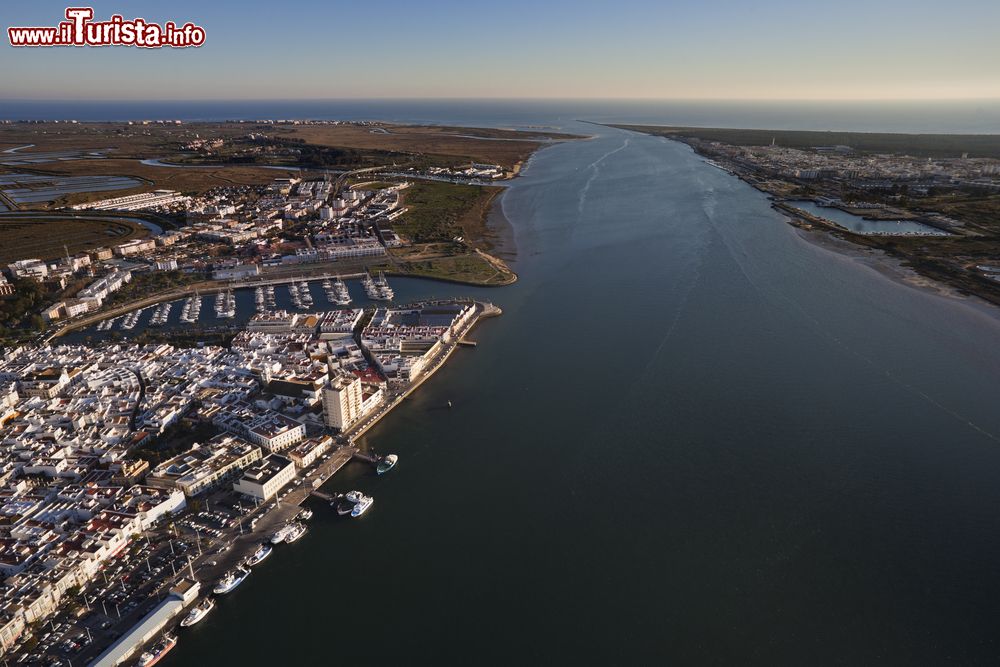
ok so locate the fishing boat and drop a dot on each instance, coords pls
(230, 581)
(258, 557)
(281, 535)
(296, 531)
(198, 613)
(160, 649)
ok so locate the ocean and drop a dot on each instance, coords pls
(928, 117)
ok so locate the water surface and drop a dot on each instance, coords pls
(693, 438)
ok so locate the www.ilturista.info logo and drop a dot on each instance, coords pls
(80, 30)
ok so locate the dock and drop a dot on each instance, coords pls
(367, 457)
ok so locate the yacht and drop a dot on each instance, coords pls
(362, 505)
(198, 613)
(230, 581)
(191, 309)
(382, 290)
(386, 463)
(296, 531)
(341, 295)
(161, 315)
(263, 551)
(160, 649)
(304, 295)
(371, 289)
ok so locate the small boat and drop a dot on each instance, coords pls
(386, 464)
(362, 506)
(230, 581)
(263, 551)
(305, 514)
(160, 649)
(345, 502)
(198, 613)
(297, 530)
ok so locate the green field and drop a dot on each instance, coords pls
(439, 212)
(922, 145)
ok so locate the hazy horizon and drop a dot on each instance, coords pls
(774, 51)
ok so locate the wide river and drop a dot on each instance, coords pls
(693, 438)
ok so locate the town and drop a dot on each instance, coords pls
(114, 520)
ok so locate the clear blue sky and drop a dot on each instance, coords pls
(713, 49)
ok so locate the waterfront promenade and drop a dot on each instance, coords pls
(217, 555)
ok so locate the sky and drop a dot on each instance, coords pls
(620, 49)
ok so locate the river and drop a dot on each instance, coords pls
(693, 438)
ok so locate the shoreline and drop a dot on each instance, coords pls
(857, 248)
(215, 560)
(892, 269)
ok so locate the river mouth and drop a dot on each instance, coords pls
(690, 438)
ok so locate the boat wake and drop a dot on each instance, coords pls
(595, 168)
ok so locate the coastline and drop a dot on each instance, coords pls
(892, 269)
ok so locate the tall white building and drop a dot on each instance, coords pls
(342, 401)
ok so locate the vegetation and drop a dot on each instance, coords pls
(24, 237)
(440, 212)
(921, 145)
(19, 316)
(147, 284)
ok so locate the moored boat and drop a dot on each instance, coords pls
(362, 505)
(263, 551)
(198, 613)
(280, 535)
(158, 650)
(230, 581)
(296, 530)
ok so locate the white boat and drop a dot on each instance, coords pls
(305, 296)
(297, 531)
(263, 551)
(382, 288)
(160, 649)
(362, 506)
(198, 613)
(371, 289)
(280, 535)
(386, 464)
(230, 581)
(341, 295)
(305, 514)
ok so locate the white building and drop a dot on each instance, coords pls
(35, 269)
(342, 401)
(275, 432)
(266, 478)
